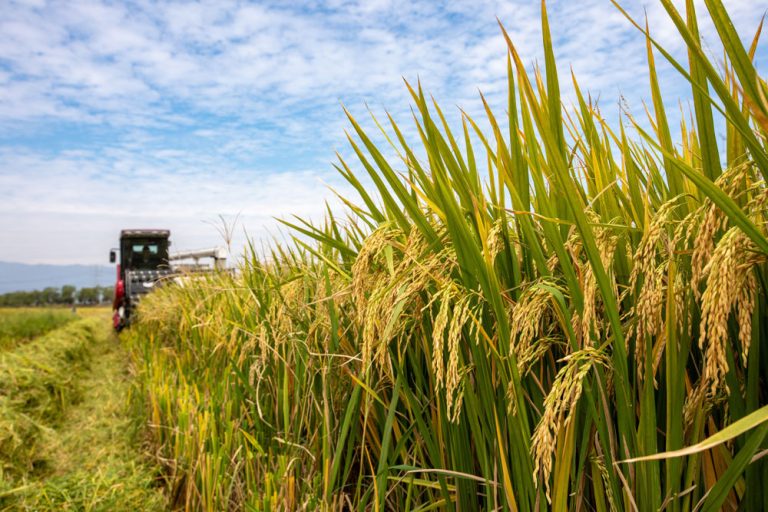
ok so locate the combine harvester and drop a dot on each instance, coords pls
(145, 262)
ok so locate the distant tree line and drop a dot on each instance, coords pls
(66, 295)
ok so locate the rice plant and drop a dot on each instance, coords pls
(560, 312)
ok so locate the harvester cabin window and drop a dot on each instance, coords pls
(145, 255)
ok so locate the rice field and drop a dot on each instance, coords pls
(23, 324)
(557, 312)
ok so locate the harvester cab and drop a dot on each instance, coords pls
(144, 262)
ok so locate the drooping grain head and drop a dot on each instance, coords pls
(730, 284)
(606, 240)
(532, 324)
(444, 298)
(364, 269)
(651, 264)
(558, 408)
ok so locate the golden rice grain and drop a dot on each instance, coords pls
(558, 408)
(730, 284)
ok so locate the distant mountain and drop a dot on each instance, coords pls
(21, 276)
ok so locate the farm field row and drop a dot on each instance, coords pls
(66, 431)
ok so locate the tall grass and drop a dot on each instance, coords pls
(509, 321)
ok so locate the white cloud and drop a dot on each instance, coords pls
(177, 111)
(55, 204)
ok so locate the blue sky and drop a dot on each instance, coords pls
(169, 114)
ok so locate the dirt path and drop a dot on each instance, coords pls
(93, 461)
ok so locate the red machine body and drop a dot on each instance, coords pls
(117, 301)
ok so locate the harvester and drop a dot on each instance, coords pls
(145, 262)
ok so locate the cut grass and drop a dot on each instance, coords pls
(84, 457)
(38, 382)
